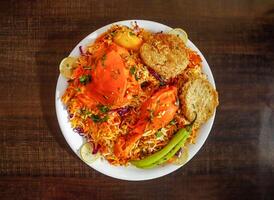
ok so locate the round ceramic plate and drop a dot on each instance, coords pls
(75, 141)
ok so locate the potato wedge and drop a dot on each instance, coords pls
(126, 38)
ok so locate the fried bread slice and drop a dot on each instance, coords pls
(198, 97)
(166, 54)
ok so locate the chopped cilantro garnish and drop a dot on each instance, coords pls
(159, 134)
(85, 112)
(85, 79)
(162, 83)
(136, 77)
(131, 33)
(173, 122)
(104, 57)
(132, 70)
(104, 119)
(97, 118)
(113, 33)
(103, 109)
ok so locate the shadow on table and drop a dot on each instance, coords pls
(47, 59)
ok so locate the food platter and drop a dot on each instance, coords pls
(75, 141)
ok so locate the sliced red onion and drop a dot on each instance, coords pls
(136, 28)
(179, 152)
(71, 116)
(79, 130)
(156, 75)
(122, 111)
(81, 50)
(95, 148)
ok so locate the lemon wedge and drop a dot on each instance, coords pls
(180, 33)
(86, 153)
(182, 158)
(67, 66)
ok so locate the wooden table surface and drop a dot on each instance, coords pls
(237, 39)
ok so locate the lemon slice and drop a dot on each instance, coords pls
(86, 153)
(180, 33)
(67, 66)
(183, 157)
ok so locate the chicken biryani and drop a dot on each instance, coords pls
(137, 96)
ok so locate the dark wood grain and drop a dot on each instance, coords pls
(237, 39)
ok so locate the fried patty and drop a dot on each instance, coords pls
(198, 97)
(166, 54)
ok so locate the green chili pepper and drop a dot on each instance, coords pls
(158, 155)
(168, 151)
(171, 153)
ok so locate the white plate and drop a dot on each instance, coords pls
(75, 141)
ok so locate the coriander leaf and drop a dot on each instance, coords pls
(136, 77)
(95, 118)
(162, 83)
(84, 79)
(85, 112)
(104, 119)
(132, 70)
(131, 33)
(104, 57)
(159, 134)
(173, 122)
(103, 109)
(113, 34)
